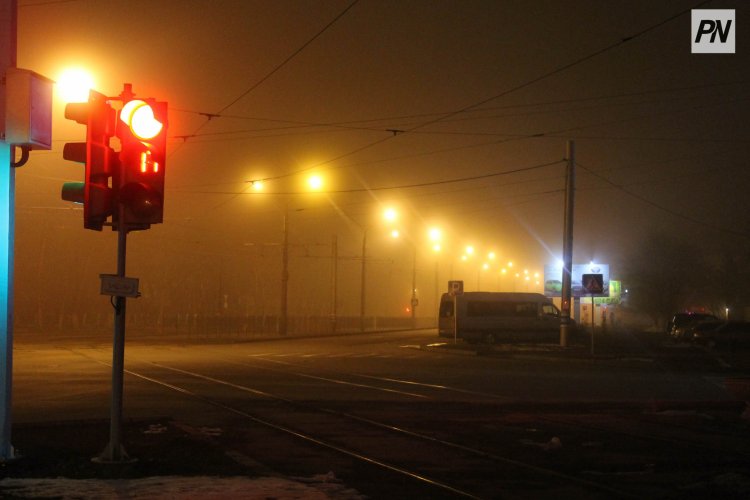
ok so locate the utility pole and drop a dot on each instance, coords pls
(362, 282)
(8, 49)
(284, 275)
(334, 281)
(414, 299)
(570, 180)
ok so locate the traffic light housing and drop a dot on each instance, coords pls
(142, 129)
(126, 184)
(96, 193)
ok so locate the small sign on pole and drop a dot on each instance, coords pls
(456, 287)
(593, 283)
(119, 286)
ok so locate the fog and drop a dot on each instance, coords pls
(456, 113)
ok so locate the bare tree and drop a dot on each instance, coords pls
(665, 274)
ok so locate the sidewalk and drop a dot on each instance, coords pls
(172, 461)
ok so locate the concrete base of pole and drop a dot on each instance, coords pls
(109, 456)
(564, 335)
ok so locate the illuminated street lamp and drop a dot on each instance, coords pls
(74, 84)
(315, 182)
(390, 214)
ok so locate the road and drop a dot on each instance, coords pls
(402, 414)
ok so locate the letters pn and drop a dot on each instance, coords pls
(708, 26)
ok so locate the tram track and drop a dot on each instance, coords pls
(346, 425)
(618, 424)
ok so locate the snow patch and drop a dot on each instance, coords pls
(322, 487)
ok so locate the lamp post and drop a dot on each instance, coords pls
(435, 236)
(362, 282)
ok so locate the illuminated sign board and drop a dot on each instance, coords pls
(553, 279)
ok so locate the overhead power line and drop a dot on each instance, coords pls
(276, 68)
(359, 124)
(384, 188)
(663, 208)
(504, 93)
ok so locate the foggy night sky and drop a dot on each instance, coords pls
(661, 141)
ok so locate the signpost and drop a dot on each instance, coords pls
(594, 285)
(455, 288)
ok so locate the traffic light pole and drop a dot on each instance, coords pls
(115, 452)
(8, 11)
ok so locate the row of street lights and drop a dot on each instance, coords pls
(468, 261)
(523, 279)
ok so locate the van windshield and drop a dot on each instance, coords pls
(550, 310)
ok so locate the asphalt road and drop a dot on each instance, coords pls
(403, 414)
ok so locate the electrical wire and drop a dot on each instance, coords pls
(351, 123)
(663, 208)
(276, 68)
(384, 188)
(504, 93)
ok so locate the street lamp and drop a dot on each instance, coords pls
(73, 85)
(389, 215)
(315, 182)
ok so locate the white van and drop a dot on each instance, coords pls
(499, 316)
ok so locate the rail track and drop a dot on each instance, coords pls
(405, 438)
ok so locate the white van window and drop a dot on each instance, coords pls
(485, 309)
(550, 310)
(526, 309)
(501, 309)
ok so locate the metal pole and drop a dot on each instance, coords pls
(284, 276)
(437, 291)
(455, 318)
(115, 452)
(8, 44)
(414, 291)
(362, 283)
(567, 245)
(334, 280)
(592, 324)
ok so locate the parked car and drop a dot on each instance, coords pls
(727, 334)
(688, 333)
(676, 327)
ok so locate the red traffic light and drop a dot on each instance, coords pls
(99, 158)
(142, 129)
(139, 117)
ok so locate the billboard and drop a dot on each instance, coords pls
(615, 294)
(553, 279)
